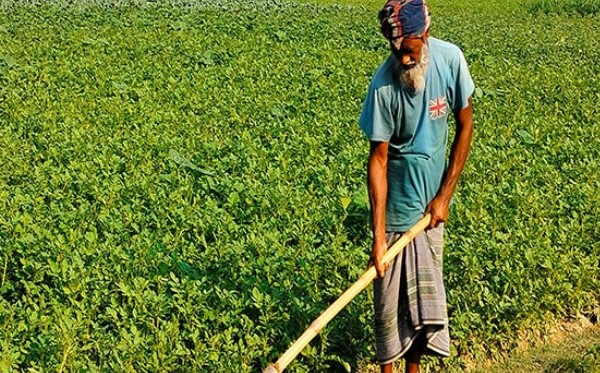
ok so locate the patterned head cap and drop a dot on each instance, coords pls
(404, 18)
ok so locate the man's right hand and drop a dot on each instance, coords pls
(378, 250)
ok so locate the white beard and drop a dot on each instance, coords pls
(414, 78)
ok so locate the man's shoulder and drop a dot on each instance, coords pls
(443, 48)
(444, 54)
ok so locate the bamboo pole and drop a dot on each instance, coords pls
(318, 324)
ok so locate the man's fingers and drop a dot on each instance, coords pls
(380, 272)
(433, 222)
(381, 268)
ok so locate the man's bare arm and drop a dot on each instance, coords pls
(458, 156)
(378, 188)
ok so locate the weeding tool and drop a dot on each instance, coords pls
(318, 324)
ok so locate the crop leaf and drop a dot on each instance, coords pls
(186, 163)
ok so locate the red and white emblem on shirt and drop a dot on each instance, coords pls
(437, 107)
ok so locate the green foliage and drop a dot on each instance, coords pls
(566, 8)
(182, 187)
(591, 359)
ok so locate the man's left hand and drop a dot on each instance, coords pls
(438, 208)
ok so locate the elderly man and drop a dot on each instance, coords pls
(405, 117)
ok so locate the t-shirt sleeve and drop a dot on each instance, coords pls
(462, 86)
(376, 118)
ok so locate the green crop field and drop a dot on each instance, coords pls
(182, 184)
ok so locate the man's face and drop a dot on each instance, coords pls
(409, 51)
(412, 58)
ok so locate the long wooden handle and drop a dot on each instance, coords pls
(316, 326)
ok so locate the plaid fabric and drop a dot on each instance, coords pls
(404, 18)
(410, 300)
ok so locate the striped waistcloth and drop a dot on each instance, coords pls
(410, 300)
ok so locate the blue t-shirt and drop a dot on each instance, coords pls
(416, 126)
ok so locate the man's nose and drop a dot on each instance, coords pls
(406, 59)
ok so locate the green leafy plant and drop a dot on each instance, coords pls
(182, 184)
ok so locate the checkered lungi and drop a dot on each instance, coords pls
(410, 300)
